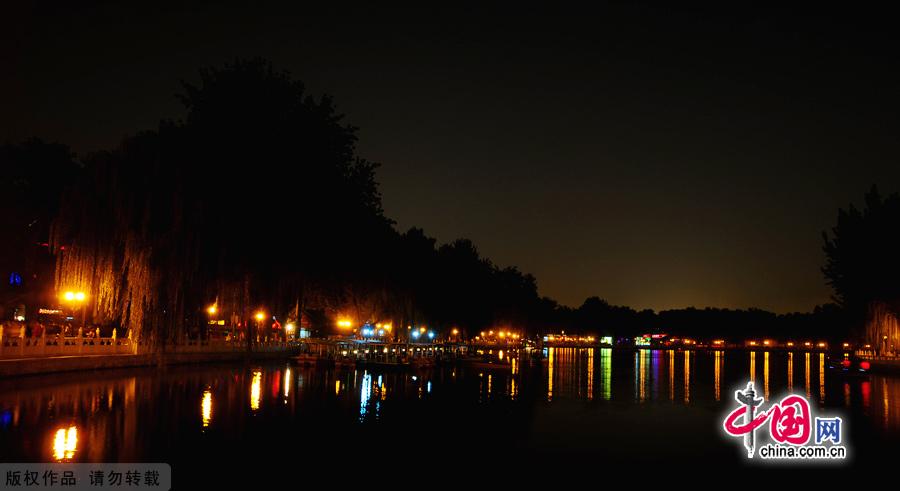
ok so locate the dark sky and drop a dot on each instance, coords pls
(656, 157)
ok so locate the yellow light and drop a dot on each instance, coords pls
(206, 407)
(59, 444)
(752, 343)
(422, 330)
(821, 345)
(790, 343)
(212, 310)
(65, 443)
(289, 327)
(766, 342)
(287, 382)
(344, 323)
(255, 390)
(502, 334)
(69, 296)
(846, 345)
(455, 331)
(386, 327)
(79, 296)
(260, 315)
(491, 333)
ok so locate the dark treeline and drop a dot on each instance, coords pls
(256, 201)
(862, 267)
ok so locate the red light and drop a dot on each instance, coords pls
(846, 363)
(864, 365)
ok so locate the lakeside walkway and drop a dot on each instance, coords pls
(24, 356)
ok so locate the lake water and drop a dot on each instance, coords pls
(600, 408)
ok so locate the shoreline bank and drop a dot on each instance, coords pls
(20, 367)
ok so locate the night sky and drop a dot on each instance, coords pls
(655, 157)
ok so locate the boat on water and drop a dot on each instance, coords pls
(848, 365)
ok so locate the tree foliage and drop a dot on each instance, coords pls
(862, 263)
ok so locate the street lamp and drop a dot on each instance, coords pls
(260, 315)
(211, 310)
(77, 297)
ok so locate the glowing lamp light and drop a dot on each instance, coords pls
(74, 296)
(455, 331)
(344, 323)
(415, 334)
(289, 327)
(431, 334)
(212, 310)
(260, 316)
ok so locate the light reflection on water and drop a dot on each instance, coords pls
(124, 415)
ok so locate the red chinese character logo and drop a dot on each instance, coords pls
(791, 422)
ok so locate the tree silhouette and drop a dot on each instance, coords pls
(33, 175)
(862, 265)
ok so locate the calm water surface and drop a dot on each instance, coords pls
(578, 405)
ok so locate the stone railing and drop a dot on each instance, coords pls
(22, 347)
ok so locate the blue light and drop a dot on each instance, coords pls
(415, 334)
(431, 334)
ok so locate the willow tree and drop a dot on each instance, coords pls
(863, 266)
(252, 200)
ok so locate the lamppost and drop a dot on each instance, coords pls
(259, 318)
(78, 298)
(211, 310)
